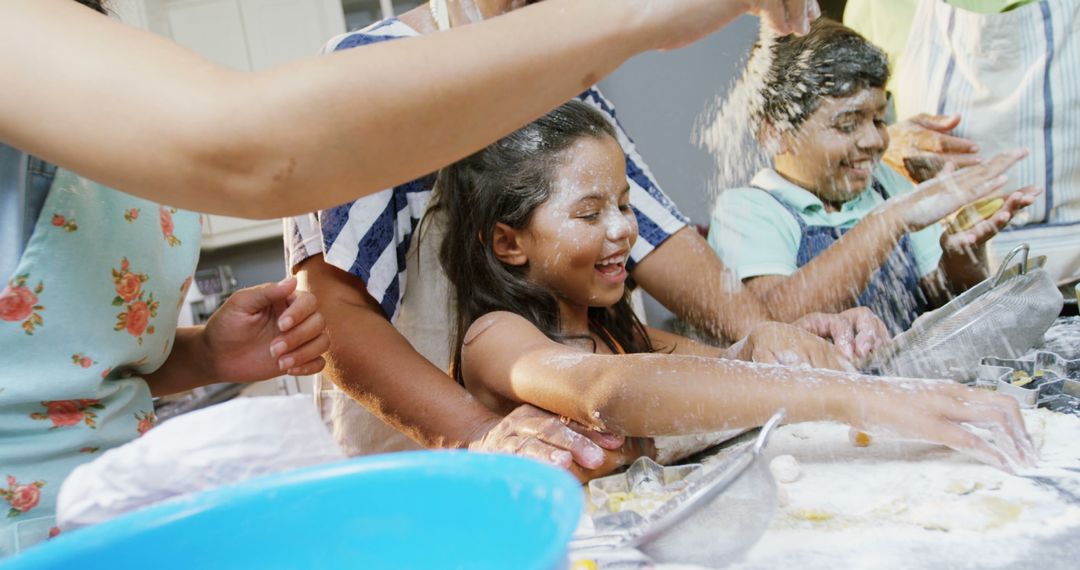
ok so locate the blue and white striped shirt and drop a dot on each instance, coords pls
(370, 237)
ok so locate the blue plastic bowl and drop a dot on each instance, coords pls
(405, 510)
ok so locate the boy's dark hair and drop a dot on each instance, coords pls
(831, 61)
(96, 5)
(505, 183)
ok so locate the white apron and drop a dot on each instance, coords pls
(1014, 77)
(425, 321)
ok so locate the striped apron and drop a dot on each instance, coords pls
(1014, 77)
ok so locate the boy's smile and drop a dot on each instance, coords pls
(834, 152)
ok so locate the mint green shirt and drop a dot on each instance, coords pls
(755, 235)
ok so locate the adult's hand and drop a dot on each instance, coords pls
(265, 331)
(855, 332)
(672, 24)
(787, 16)
(780, 343)
(921, 146)
(531, 432)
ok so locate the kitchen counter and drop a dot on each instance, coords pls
(899, 504)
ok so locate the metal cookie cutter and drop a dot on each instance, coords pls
(1047, 380)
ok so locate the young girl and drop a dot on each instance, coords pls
(538, 231)
(830, 226)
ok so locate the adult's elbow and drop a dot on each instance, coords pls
(231, 164)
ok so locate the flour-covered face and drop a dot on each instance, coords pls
(578, 241)
(834, 152)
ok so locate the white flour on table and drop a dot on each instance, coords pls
(898, 504)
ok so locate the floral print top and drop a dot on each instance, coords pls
(92, 307)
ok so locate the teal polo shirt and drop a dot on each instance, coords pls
(755, 235)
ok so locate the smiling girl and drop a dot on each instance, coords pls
(538, 232)
(829, 226)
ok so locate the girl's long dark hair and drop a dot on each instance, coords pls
(505, 183)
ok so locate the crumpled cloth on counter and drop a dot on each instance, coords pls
(223, 444)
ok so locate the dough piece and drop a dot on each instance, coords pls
(785, 469)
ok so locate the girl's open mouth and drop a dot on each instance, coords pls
(613, 268)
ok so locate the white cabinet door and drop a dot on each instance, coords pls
(223, 231)
(213, 28)
(280, 31)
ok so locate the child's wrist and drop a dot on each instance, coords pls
(894, 217)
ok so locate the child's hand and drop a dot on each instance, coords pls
(945, 412)
(538, 434)
(921, 146)
(855, 332)
(780, 343)
(952, 189)
(955, 240)
(266, 331)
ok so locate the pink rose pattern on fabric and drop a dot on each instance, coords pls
(165, 215)
(131, 215)
(147, 420)
(139, 306)
(21, 498)
(65, 223)
(80, 359)
(67, 413)
(19, 303)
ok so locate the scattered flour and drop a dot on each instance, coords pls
(909, 505)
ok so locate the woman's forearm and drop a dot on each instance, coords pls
(832, 281)
(146, 116)
(187, 367)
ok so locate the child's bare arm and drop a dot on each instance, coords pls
(668, 394)
(765, 344)
(833, 280)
